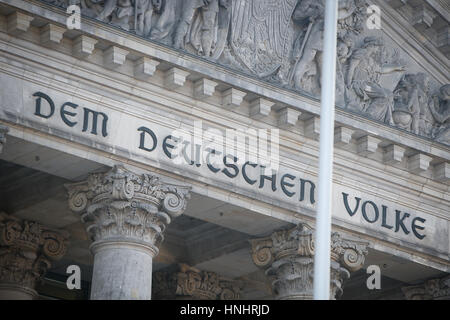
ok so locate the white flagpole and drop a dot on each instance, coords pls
(323, 222)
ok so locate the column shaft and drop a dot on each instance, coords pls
(122, 271)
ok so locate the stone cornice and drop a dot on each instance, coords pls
(199, 65)
(288, 256)
(430, 19)
(434, 289)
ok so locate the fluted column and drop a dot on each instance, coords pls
(434, 289)
(3, 131)
(126, 215)
(26, 251)
(287, 257)
(189, 283)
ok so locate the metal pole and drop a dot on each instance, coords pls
(323, 223)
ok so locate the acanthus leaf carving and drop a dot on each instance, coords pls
(281, 41)
(122, 205)
(27, 249)
(192, 283)
(287, 257)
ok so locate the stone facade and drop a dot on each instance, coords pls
(126, 215)
(281, 42)
(288, 259)
(142, 72)
(27, 249)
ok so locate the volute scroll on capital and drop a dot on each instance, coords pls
(121, 185)
(27, 249)
(287, 256)
(120, 203)
(281, 41)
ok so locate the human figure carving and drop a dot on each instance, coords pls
(440, 109)
(406, 113)
(198, 22)
(144, 14)
(364, 93)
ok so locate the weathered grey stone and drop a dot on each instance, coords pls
(189, 283)
(26, 251)
(18, 22)
(288, 258)
(126, 215)
(83, 46)
(371, 76)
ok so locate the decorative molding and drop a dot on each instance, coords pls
(394, 154)
(83, 46)
(114, 57)
(120, 205)
(367, 145)
(260, 108)
(442, 172)
(144, 68)
(18, 22)
(233, 98)
(342, 136)
(312, 127)
(288, 117)
(204, 88)
(26, 250)
(288, 258)
(419, 163)
(175, 78)
(279, 59)
(193, 284)
(435, 289)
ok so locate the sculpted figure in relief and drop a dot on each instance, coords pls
(203, 24)
(308, 47)
(364, 92)
(440, 109)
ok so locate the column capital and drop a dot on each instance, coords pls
(288, 258)
(3, 131)
(26, 251)
(434, 289)
(121, 206)
(191, 283)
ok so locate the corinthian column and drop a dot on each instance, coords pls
(287, 257)
(189, 283)
(126, 215)
(3, 132)
(26, 251)
(434, 289)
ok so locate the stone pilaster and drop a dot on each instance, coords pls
(126, 215)
(26, 251)
(189, 283)
(3, 131)
(288, 259)
(434, 289)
